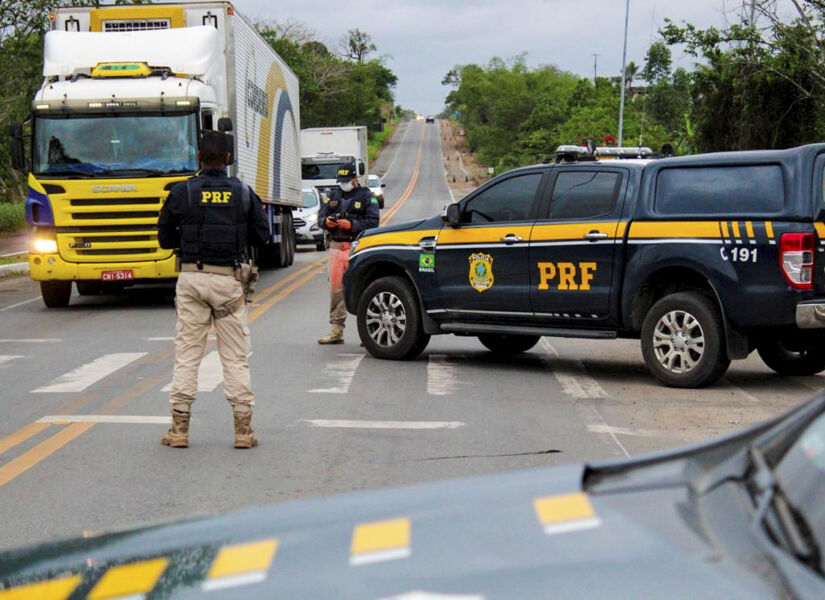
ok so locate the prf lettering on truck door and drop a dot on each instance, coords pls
(567, 276)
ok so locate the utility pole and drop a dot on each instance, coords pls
(624, 71)
(595, 67)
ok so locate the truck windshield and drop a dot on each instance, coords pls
(322, 170)
(96, 145)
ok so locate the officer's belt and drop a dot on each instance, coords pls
(204, 268)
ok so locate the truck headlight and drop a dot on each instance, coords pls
(45, 246)
(353, 247)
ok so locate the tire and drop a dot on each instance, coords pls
(683, 340)
(89, 288)
(291, 238)
(56, 294)
(389, 320)
(793, 357)
(508, 345)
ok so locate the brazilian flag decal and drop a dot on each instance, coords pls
(426, 262)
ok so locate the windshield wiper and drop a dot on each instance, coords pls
(771, 502)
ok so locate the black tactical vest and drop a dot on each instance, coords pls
(214, 227)
(354, 205)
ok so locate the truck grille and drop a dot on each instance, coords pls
(136, 25)
(110, 229)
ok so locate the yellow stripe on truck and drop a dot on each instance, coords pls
(55, 589)
(129, 580)
(676, 229)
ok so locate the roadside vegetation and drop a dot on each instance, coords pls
(12, 217)
(759, 83)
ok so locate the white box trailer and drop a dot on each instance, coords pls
(325, 149)
(199, 62)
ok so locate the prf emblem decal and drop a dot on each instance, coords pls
(481, 271)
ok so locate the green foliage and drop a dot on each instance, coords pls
(379, 139)
(12, 217)
(335, 91)
(514, 115)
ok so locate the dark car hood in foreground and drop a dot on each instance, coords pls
(634, 529)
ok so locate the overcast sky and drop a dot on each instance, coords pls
(423, 39)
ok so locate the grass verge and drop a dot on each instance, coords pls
(379, 140)
(12, 216)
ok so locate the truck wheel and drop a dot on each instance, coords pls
(389, 320)
(508, 345)
(291, 239)
(793, 357)
(89, 288)
(683, 341)
(56, 294)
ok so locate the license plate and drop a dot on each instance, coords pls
(117, 276)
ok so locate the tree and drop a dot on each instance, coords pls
(359, 45)
(630, 71)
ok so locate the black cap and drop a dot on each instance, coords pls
(346, 173)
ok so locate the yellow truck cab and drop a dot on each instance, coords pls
(116, 124)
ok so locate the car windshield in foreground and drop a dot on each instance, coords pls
(800, 475)
(104, 145)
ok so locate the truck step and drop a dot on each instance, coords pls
(476, 328)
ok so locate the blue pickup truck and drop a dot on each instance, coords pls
(703, 258)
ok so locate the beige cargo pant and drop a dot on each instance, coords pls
(338, 261)
(197, 295)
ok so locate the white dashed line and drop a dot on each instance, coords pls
(90, 373)
(340, 374)
(383, 424)
(441, 376)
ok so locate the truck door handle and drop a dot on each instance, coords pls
(595, 235)
(511, 239)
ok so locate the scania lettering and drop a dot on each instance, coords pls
(116, 124)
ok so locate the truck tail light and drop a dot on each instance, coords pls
(796, 259)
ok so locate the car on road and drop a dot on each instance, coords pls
(702, 258)
(430, 120)
(740, 517)
(305, 220)
(377, 188)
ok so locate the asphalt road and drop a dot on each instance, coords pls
(82, 398)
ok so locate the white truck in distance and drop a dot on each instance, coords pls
(115, 124)
(324, 150)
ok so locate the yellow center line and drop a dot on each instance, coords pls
(43, 450)
(21, 435)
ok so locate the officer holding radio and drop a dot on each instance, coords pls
(210, 220)
(348, 211)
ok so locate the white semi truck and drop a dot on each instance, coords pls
(324, 150)
(116, 123)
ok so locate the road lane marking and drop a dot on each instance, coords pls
(90, 373)
(574, 381)
(308, 274)
(441, 375)
(610, 430)
(565, 513)
(398, 149)
(413, 180)
(21, 435)
(380, 541)
(112, 419)
(344, 424)
(210, 373)
(591, 415)
(129, 581)
(55, 589)
(4, 358)
(241, 564)
(340, 374)
(161, 339)
(29, 341)
(43, 450)
(20, 303)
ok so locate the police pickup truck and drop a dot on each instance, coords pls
(703, 258)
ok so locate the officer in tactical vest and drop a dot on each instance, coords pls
(210, 220)
(350, 210)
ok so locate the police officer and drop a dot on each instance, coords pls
(349, 210)
(210, 220)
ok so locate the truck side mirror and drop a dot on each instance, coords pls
(230, 146)
(224, 124)
(452, 214)
(18, 150)
(361, 168)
